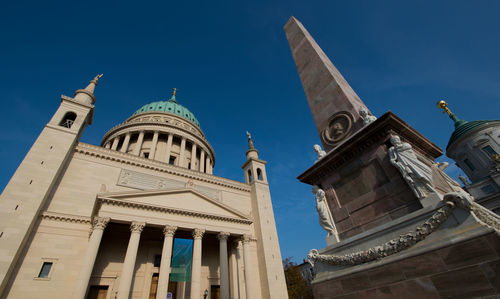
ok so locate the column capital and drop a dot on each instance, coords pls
(137, 227)
(169, 230)
(198, 233)
(246, 239)
(100, 222)
(223, 235)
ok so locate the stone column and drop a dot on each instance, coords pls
(152, 152)
(166, 253)
(247, 259)
(202, 161)
(207, 164)
(196, 264)
(115, 143)
(233, 272)
(224, 271)
(126, 141)
(169, 147)
(108, 145)
(193, 157)
(138, 145)
(129, 262)
(182, 158)
(82, 282)
(210, 168)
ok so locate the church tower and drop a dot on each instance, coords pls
(272, 277)
(28, 190)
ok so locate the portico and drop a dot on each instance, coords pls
(152, 229)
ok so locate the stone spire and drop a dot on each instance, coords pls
(334, 104)
(87, 95)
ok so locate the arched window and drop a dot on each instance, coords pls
(259, 174)
(68, 119)
(249, 176)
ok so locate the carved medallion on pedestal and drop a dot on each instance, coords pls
(338, 128)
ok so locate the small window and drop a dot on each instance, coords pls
(146, 155)
(489, 150)
(44, 272)
(157, 260)
(469, 164)
(249, 176)
(189, 165)
(68, 119)
(259, 174)
(171, 161)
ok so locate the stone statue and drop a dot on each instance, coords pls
(321, 153)
(250, 141)
(367, 118)
(325, 217)
(464, 180)
(417, 174)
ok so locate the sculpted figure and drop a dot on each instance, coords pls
(321, 153)
(337, 130)
(367, 118)
(416, 173)
(325, 218)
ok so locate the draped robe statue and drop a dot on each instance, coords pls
(325, 217)
(417, 174)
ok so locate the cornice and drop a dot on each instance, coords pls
(162, 209)
(65, 217)
(108, 154)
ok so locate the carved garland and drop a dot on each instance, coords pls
(452, 199)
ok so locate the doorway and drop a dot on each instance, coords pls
(98, 292)
(214, 292)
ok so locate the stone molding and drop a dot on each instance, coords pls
(223, 235)
(143, 206)
(198, 233)
(169, 230)
(100, 222)
(159, 117)
(65, 218)
(137, 227)
(108, 154)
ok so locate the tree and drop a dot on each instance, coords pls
(297, 286)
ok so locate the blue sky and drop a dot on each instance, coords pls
(232, 67)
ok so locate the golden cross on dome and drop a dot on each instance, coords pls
(175, 91)
(443, 105)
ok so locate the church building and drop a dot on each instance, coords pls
(140, 216)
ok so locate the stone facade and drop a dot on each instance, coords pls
(81, 221)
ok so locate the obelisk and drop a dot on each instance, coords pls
(334, 104)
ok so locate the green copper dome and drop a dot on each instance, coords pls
(170, 106)
(462, 127)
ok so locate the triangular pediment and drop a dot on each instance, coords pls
(184, 200)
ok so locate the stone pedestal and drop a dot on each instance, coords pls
(362, 187)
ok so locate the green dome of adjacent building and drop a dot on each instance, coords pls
(462, 127)
(170, 106)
